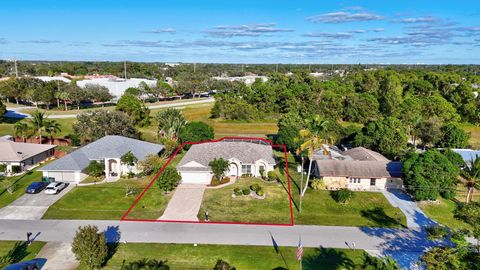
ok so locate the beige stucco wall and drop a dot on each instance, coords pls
(335, 182)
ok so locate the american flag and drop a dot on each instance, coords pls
(299, 250)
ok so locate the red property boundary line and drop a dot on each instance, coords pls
(292, 222)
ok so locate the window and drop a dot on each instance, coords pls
(354, 180)
(246, 169)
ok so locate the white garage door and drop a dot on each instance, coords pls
(62, 176)
(196, 177)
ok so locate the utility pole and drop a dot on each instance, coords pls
(16, 68)
(194, 67)
(125, 69)
(242, 68)
(276, 67)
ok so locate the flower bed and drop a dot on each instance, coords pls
(254, 191)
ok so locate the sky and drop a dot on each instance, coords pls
(260, 31)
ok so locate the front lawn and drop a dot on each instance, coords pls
(22, 182)
(108, 201)
(30, 253)
(318, 208)
(183, 256)
(442, 212)
(222, 207)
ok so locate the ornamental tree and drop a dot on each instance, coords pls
(219, 167)
(168, 179)
(90, 247)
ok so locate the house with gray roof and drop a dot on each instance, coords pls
(18, 157)
(109, 150)
(357, 169)
(245, 157)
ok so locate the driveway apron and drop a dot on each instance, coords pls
(185, 203)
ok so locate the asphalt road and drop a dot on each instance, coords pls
(15, 112)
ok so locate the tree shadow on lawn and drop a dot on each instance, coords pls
(112, 235)
(17, 253)
(327, 258)
(381, 219)
(281, 165)
(16, 181)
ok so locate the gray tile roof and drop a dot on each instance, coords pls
(107, 147)
(246, 152)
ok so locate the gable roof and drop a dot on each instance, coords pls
(17, 152)
(364, 154)
(245, 152)
(110, 146)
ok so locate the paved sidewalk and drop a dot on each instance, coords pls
(185, 203)
(416, 219)
(59, 255)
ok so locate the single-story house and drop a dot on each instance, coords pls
(356, 169)
(109, 150)
(19, 157)
(245, 157)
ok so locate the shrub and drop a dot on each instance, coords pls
(223, 265)
(260, 192)
(246, 191)
(342, 195)
(95, 168)
(130, 175)
(3, 167)
(436, 232)
(272, 176)
(262, 172)
(90, 247)
(237, 192)
(130, 190)
(318, 184)
(16, 169)
(169, 179)
(255, 187)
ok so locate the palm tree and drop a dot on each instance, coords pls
(22, 130)
(471, 173)
(52, 127)
(39, 122)
(313, 139)
(170, 122)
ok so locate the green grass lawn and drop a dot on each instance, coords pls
(22, 182)
(24, 255)
(318, 208)
(7, 128)
(222, 207)
(108, 201)
(442, 212)
(182, 256)
(474, 131)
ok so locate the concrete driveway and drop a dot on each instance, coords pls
(31, 206)
(416, 219)
(185, 203)
(58, 255)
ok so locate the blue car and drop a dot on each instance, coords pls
(34, 264)
(36, 187)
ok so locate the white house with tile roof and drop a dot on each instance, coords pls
(245, 157)
(23, 155)
(109, 150)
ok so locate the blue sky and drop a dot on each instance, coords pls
(421, 31)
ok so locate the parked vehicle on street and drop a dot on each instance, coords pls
(55, 187)
(36, 187)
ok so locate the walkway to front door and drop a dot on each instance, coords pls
(185, 203)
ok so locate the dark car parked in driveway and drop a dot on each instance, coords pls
(36, 187)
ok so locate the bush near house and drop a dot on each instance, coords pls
(169, 179)
(95, 168)
(272, 176)
(342, 195)
(437, 232)
(318, 184)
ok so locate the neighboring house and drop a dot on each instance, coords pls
(356, 169)
(19, 157)
(244, 158)
(117, 86)
(109, 150)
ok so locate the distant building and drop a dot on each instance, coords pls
(116, 86)
(467, 155)
(356, 169)
(19, 157)
(54, 78)
(248, 80)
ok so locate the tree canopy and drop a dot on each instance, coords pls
(195, 132)
(137, 111)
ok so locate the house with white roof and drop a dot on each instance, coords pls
(116, 86)
(109, 150)
(244, 157)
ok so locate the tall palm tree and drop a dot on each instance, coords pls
(170, 122)
(39, 122)
(21, 129)
(471, 173)
(52, 127)
(313, 139)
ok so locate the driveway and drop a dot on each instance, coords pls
(416, 219)
(31, 206)
(58, 254)
(185, 203)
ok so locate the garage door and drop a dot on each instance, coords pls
(62, 176)
(196, 177)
